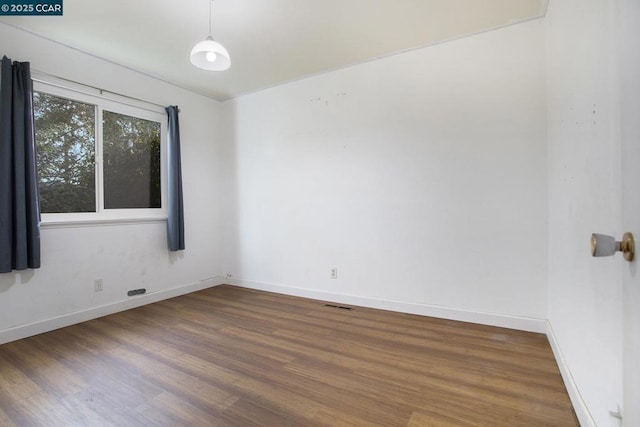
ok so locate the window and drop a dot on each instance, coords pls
(65, 138)
(131, 151)
(98, 159)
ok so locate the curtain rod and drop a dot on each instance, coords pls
(100, 90)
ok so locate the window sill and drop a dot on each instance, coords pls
(99, 222)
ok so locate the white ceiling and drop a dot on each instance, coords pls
(270, 42)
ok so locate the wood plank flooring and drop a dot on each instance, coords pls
(228, 356)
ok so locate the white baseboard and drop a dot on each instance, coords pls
(579, 405)
(30, 329)
(505, 321)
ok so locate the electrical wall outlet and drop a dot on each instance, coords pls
(334, 273)
(97, 285)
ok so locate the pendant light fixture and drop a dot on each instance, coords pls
(209, 54)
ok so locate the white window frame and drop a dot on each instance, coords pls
(127, 107)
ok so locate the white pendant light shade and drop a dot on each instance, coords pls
(210, 55)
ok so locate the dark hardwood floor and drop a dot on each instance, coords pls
(228, 356)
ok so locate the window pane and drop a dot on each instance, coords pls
(131, 149)
(65, 138)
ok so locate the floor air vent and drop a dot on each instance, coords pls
(340, 307)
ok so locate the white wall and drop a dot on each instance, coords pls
(124, 256)
(421, 177)
(584, 197)
(628, 37)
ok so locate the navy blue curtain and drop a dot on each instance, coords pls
(175, 221)
(19, 207)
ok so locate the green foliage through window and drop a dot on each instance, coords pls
(65, 135)
(131, 162)
(67, 167)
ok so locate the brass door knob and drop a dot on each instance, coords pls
(603, 245)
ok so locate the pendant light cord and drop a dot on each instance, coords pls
(210, 1)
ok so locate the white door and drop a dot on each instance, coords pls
(629, 57)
